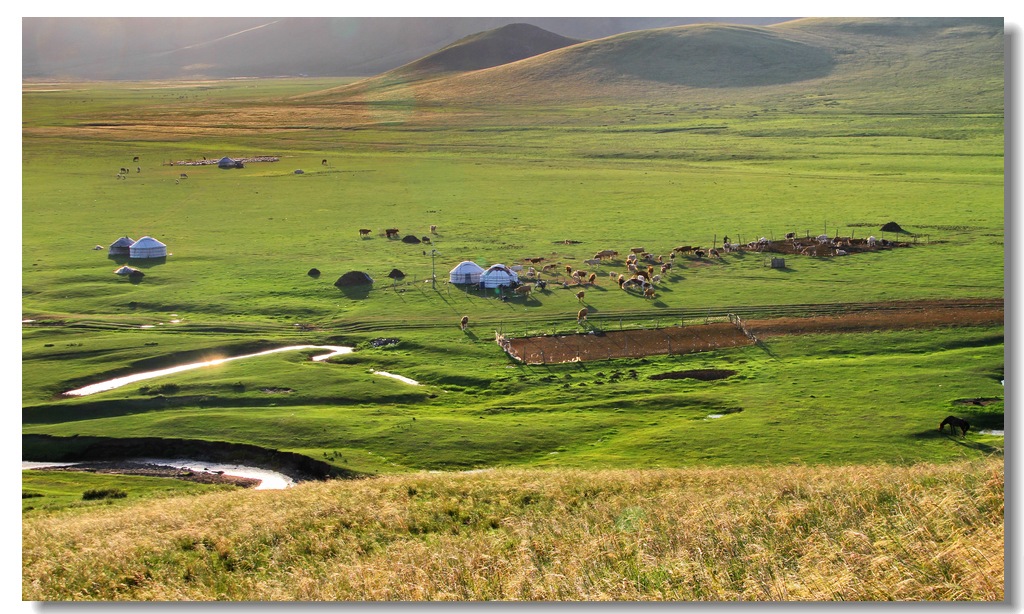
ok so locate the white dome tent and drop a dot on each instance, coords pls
(498, 275)
(466, 272)
(148, 247)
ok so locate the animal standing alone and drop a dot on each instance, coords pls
(954, 424)
(581, 316)
(464, 322)
(579, 295)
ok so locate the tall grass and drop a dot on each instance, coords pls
(865, 532)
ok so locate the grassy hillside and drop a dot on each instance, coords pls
(879, 64)
(857, 533)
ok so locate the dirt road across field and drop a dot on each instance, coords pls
(602, 345)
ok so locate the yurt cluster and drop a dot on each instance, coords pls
(145, 248)
(468, 272)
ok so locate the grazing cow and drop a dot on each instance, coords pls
(582, 315)
(323, 162)
(579, 295)
(714, 253)
(364, 232)
(683, 249)
(955, 423)
(464, 322)
(391, 233)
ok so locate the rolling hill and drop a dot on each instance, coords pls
(853, 58)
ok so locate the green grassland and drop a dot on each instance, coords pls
(46, 491)
(501, 184)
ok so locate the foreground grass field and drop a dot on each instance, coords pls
(928, 532)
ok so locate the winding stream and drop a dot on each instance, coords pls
(269, 480)
(334, 350)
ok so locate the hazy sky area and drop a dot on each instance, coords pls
(219, 47)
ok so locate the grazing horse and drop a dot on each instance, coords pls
(955, 423)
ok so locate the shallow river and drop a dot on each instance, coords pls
(270, 480)
(119, 382)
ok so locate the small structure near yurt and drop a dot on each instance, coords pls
(498, 275)
(466, 272)
(124, 270)
(778, 263)
(121, 247)
(227, 162)
(147, 247)
(892, 227)
(396, 275)
(411, 239)
(354, 278)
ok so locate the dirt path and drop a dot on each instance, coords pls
(602, 345)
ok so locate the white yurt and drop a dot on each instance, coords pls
(466, 272)
(121, 246)
(498, 275)
(148, 247)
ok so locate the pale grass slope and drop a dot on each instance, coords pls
(925, 532)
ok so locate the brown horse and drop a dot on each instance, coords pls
(955, 423)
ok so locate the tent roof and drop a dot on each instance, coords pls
(467, 266)
(147, 241)
(123, 242)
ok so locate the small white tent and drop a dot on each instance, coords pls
(466, 272)
(498, 275)
(148, 247)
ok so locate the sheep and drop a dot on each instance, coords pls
(656, 279)
(364, 232)
(433, 229)
(592, 279)
(547, 268)
(124, 171)
(581, 315)
(579, 295)
(637, 250)
(524, 289)
(629, 283)
(841, 252)
(665, 267)
(621, 280)
(699, 253)
(683, 249)
(613, 275)
(631, 267)
(649, 292)
(464, 322)
(135, 159)
(606, 253)
(650, 270)
(593, 262)
(138, 169)
(714, 253)
(790, 236)
(871, 241)
(568, 269)
(183, 176)
(323, 162)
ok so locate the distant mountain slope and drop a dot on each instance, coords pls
(503, 45)
(904, 58)
(138, 48)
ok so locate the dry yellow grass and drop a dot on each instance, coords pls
(927, 532)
